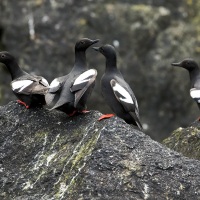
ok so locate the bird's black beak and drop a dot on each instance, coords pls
(176, 64)
(95, 41)
(96, 48)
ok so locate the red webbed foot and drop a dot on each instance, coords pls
(106, 116)
(84, 111)
(22, 103)
(73, 113)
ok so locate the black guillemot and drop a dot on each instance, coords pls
(116, 92)
(29, 89)
(194, 72)
(69, 93)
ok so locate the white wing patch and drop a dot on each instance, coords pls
(194, 93)
(45, 81)
(126, 96)
(85, 77)
(21, 84)
(54, 83)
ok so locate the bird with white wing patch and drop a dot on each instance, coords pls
(116, 92)
(194, 72)
(70, 93)
(30, 89)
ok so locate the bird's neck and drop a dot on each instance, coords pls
(194, 76)
(111, 64)
(15, 70)
(80, 60)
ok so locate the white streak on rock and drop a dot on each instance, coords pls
(39, 155)
(146, 191)
(49, 158)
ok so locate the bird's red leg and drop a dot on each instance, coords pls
(106, 116)
(22, 103)
(73, 113)
(85, 111)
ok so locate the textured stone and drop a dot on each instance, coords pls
(46, 155)
(186, 140)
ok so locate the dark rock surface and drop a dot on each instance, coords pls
(186, 140)
(148, 34)
(46, 155)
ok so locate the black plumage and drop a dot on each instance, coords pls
(116, 91)
(194, 72)
(70, 93)
(30, 89)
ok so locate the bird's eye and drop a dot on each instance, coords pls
(82, 42)
(3, 55)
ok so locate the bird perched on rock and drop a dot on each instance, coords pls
(30, 89)
(69, 93)
(116, 92)
(194, 72)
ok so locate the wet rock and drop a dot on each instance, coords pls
(46, 155)
(186, 140)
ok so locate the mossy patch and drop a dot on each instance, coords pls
(141, 8)
(185, 141)
(74, 163)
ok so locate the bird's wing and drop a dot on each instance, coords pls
(55, 86)
(135, 116)
(54, 91)
(30, 85)
(40, 86)
(123, 96)
(127, 99)
(44, 82)
(195, 94)
(82, 83)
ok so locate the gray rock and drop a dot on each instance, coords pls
(186, 140)
(46, 155)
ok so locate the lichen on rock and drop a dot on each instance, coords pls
(47, 155)
(186, 140)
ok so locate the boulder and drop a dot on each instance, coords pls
(186, 140)
(47, 155)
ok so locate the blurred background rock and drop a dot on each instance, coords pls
(148, 35)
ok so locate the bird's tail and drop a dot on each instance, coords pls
(139, 124)
(137, 120)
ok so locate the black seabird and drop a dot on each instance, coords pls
(116, 92)
(194, 72)
(30, 89)
(69, 93)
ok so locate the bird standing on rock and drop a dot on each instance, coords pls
(194, 72)
(69, 93)
(116, 92)
(30, 89)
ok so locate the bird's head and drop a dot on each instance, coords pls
(107, 50)
(6, 57)
(188, 64)
(84, 43)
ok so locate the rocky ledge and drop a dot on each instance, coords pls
(46, 155)
(186, 140)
